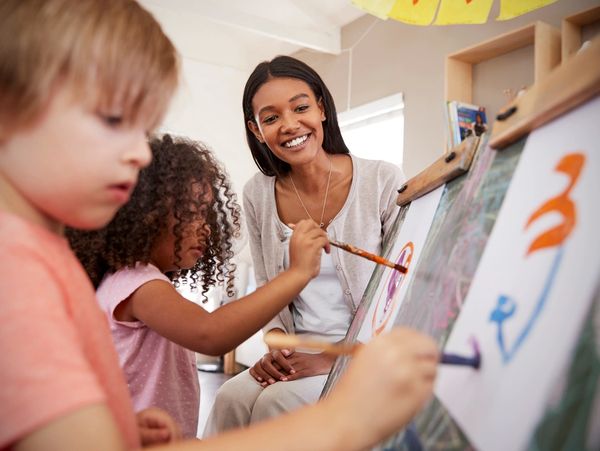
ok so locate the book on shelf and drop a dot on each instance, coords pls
(464, 119)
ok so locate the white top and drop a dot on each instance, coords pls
(364, 221)
(320, 309)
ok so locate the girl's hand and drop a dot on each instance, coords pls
(306, 245)
(156, 426)
(272, 367)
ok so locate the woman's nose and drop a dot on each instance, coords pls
(289, 122)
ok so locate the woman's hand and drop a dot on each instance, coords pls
(273, 367)
(156, 426)
(306, 365)
(288, 365)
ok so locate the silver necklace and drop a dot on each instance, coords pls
(321, 224)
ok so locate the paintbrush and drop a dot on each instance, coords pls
(279, 340)
(374, 258)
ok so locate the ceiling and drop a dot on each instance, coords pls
(241, 33)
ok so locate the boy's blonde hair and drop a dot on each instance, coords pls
(111, 53)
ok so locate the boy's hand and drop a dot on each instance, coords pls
(306, 244)
(156, 426)
(410, 359)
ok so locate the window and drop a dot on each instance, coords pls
(375, 130)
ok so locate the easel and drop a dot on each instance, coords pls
(443, 270)
(449, 166)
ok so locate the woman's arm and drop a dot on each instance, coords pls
(255, 240)
(393, 179)
(254, 237)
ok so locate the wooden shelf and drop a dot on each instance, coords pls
(459, 66)
(571, 30)
(567, 87)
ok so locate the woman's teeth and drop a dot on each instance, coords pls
(296, 141)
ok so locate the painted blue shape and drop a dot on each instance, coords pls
(507, 306)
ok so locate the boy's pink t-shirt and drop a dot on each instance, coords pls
(56, 351)
(159, 372)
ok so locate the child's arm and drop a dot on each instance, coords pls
(161, 308)
(91, 428)
(361, 411)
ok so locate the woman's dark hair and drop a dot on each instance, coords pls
(166, 196)
(288, 67)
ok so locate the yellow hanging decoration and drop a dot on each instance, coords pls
(415, 12)
(450, 12)
(514, 8)
(378, 8)
(463, 12)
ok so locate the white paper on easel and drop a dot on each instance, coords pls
(406, 251)
(533, 287)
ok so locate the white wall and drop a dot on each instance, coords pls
(207, 108)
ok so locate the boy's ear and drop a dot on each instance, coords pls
(254, 129)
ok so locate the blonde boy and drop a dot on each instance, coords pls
(75, 108)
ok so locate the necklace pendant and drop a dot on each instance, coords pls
(321, 225)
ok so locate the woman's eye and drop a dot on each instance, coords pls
(302, 108)
(269, 119)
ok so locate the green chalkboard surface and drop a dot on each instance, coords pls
(460, 230)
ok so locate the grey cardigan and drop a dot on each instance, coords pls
(364, 220)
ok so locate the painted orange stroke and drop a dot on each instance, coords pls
(571, 165)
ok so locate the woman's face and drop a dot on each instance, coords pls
(288, 118)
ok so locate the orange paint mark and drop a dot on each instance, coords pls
(571, 165)
(469, 1)
(415, 2)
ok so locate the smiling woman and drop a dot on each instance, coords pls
(307, 172)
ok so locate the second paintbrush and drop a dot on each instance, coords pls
(369, 256)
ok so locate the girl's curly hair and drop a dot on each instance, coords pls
(165, 196)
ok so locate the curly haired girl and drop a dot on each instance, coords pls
(177, 228)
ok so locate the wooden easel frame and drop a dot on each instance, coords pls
(565, 88)
(447, 167)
